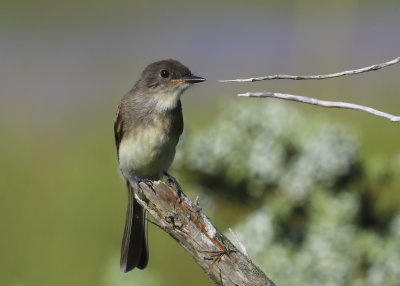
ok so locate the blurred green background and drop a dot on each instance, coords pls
(65, 65)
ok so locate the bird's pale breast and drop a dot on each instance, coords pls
(148, 151)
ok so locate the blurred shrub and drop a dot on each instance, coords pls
(335, 250)
(313, 221)
(257, 148)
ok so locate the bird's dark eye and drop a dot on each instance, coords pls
(164, 73)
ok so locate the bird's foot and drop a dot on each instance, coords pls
(174, 182)
(147, 182)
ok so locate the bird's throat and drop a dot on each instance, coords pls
(166, 101)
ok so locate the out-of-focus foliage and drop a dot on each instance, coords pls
(335, 249)
(314, 221)
(255, 148)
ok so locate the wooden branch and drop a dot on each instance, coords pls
(324, 76)
(191, 228)
(323, 103)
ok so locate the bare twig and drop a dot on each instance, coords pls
(323, 103)
(325, 76)
(191, 228)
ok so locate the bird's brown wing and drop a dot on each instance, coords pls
(134, 250)
(179, 119)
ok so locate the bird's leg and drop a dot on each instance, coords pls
(173, 181)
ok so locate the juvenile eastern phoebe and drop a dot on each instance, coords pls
(147, 127)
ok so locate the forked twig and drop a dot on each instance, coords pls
(318, 102)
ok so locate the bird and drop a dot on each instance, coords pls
(147, 127)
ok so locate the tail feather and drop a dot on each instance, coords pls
(134, 250)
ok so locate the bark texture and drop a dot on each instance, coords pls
(192, 229)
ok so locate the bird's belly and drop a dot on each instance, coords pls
(147, 153)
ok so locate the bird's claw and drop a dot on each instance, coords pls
(147, 182)
(174, 182)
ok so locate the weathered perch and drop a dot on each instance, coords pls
(191, 228)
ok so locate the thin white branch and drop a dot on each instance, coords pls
(324, 76)
(323, 103)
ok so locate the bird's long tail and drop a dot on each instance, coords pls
(134, 250)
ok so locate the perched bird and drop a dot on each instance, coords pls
(147, 127)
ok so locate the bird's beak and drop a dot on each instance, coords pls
(193, 79)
